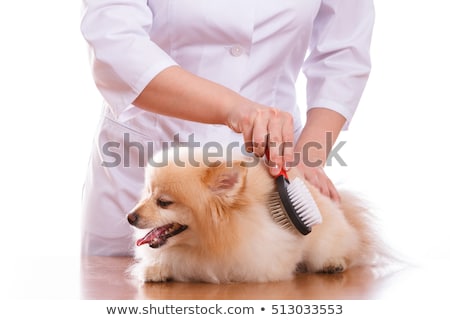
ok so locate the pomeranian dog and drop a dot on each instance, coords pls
(210, 221)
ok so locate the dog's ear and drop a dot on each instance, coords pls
(226, 178)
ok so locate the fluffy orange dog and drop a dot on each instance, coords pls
(211, 223)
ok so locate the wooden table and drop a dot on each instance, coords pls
(104, 278)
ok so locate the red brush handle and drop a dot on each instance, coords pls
(282, 171)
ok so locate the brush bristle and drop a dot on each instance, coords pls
(304, 203)
(292, 206)
(278, 213)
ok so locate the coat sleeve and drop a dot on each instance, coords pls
(123, 57)
(338, 65)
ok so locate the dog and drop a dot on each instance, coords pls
(209, 221)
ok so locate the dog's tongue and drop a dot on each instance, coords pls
(158, 236)
(155, 237)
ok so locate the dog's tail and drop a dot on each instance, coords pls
(359, 213)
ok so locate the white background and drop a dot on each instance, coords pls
(396, 151)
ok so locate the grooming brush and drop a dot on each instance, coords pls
(292, 205)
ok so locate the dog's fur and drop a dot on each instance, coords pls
(230, 233)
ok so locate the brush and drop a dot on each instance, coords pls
(292, 205)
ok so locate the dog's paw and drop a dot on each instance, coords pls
(334, 266)
(155, 273)
(150, 273)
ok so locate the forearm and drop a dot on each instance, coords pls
(321, 130)
(177, 93)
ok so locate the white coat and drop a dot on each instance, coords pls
(254, 47)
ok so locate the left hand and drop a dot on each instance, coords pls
(320, 123)
(319, 179)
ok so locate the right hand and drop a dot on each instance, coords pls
(262, 127)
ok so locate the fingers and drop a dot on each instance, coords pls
(270, 128)
(273, 129)
(318, 178)
(265, 127)
(260, 132)
(334, 194)
(280, 140)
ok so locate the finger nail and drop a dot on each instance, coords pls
(275, 170)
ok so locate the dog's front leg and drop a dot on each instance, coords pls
(151, 272)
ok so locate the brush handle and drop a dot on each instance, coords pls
(282, 171)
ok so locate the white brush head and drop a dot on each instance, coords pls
(303, 202)
(293, 207)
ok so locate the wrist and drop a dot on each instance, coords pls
(236, 112)
(318, 136)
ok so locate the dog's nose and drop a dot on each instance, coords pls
(132, 218)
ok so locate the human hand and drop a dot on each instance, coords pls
(317, 177)
(265, 127)
(318, 136)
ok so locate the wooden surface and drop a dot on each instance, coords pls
(104, 278)
(113, 284)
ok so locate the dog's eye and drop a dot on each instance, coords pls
(163, 203)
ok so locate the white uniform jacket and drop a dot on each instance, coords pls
(254, 47)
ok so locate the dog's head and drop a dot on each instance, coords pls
(186, 200)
